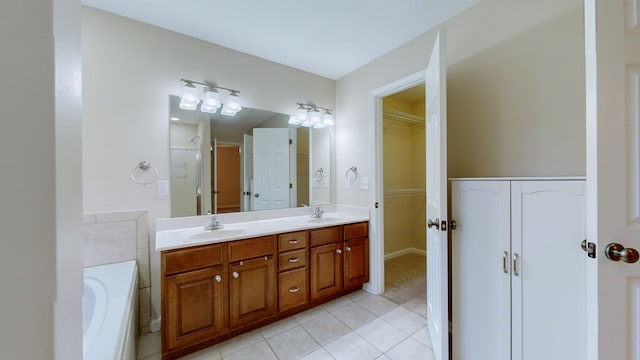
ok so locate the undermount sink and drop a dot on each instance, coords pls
(324, 220)
(215, 234)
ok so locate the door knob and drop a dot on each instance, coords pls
(256, 194)
(435, 224)
(617, 252)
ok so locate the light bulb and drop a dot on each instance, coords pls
(301, 114)
(327, 119)
(293, 120)
(315, 116)
(211, 101)
(307, 123)
(233, 102)
(320, 125)
(189, 99)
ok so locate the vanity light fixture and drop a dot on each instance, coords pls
(211, 100)
(309, 115)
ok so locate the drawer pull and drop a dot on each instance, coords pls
(294, 260)
(218, 278)
(294, 289)
(294, 241)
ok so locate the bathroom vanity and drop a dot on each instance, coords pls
(221, 283)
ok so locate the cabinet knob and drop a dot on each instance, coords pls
(218, 278)
(235, 275)
(348, 248)
(338, 251)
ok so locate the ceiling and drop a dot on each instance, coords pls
(329, 38)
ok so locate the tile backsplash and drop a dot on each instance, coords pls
(121, 236)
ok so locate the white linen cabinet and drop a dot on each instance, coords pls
(518, 269)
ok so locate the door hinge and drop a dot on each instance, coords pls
(589, 248)
(443, 225)
(290, 185)
(290, 141)
(454, 225)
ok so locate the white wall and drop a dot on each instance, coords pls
(480, 28)
(129, 69)
(40, 223)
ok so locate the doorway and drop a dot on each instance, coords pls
(404, 200)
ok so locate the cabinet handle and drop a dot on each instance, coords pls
(293, 241)
(516, 272)
(266, 258)
(235, 275)
(348, 248)
(338, 251)
(294, 260)
(218, 278)
(294, 289)
(505, 263)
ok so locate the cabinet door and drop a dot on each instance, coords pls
(326, 270)
(481, 272)
(193, 304)
(548, 290)
(356, 262)
(252, 294)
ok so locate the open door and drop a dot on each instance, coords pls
(613, 178)
(247, 171)
(270, 168)
(437, 229)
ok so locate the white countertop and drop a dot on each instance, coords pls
(193, 236)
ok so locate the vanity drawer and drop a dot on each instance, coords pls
(178, 261)
(292, 259)
(250, 248)
(358, 230)
(292, 289)
(292, 241)
(325, 236)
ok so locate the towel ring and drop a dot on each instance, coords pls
(348, 175)
(144, 173)
(318, 175)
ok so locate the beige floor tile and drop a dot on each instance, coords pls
(149, 344)
(354, 315)
(410, 349)
(381, 334)
(210, 353)
(357, 295)
(278, 327)
(260, 351)
(352, 347)
(377, 304)
(320, 354)
(423, 336)
(326, 328)
(406, 321)
(293, 344)
(240, 342)
(337, 303)
(310, 314)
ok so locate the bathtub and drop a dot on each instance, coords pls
(109, 311)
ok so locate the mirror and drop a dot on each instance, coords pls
(254, 160)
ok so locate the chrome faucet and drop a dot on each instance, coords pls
(215, 224)
(317, 213)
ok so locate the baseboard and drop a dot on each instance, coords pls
(154, 326)
(410, 250)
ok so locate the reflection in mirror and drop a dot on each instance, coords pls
(252, 161)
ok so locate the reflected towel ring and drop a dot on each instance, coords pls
(318, 176)
(348, 175)
(144, 173)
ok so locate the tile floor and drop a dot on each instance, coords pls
(356, 326)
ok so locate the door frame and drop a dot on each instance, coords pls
(376, 231)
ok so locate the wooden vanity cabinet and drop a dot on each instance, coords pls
(252, 290)
(193, 288)
(356, 255)
(213, 292)
(325, 262)
(293, 272)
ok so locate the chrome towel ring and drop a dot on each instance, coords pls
(144, 173)
(352, 174)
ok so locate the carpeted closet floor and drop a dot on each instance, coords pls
(405, 282)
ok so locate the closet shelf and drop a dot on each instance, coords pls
(400, 116)
(404, 192)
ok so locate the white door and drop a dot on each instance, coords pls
(247, 171)
(436, 124)
(613, 175)
(270, 168)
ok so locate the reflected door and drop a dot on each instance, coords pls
(270, 168)
(228, 194)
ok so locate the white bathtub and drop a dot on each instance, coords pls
(109, 308)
